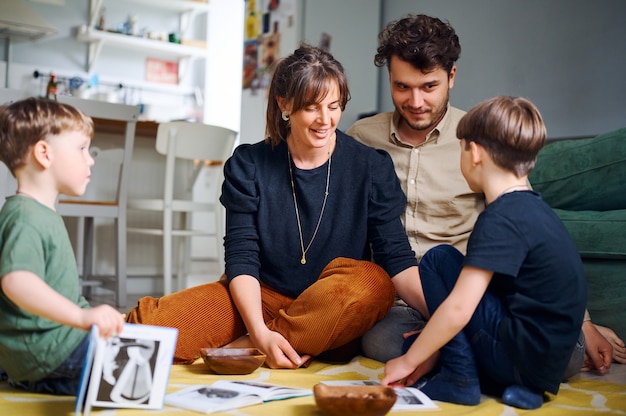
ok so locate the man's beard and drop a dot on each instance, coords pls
(436, 116)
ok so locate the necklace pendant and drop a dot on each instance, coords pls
(303, 260)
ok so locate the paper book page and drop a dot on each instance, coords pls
(409, 398)
(265, 391)
(210, 399)
(131, 370)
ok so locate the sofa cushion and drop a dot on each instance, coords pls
(598, 234)
(583, 174)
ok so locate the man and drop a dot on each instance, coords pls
(420, 53)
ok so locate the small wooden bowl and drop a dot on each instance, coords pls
(354, 400)
(232, 360)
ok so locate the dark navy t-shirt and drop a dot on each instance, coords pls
(538, 275)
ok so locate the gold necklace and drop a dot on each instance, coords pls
(295, 203)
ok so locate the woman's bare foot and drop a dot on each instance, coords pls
(241, 342)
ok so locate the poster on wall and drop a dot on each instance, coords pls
(161, 71)
(264, 20)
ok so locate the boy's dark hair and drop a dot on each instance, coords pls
(302, 78)
(511, 129)
(26, 122)
(425, 42)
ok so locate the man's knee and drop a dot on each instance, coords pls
(384, 341)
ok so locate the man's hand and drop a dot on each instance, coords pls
(598, 350)
(619, 349)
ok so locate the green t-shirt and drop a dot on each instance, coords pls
(34, 238)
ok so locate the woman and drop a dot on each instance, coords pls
(306, 210)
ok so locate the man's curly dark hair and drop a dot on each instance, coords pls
(423, 41)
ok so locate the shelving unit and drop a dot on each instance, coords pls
(97, 39)
(210, 74)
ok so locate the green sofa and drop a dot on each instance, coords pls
(584, 181)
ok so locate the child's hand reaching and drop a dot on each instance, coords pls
(109, 321)
(401, 372)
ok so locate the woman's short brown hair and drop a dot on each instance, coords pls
(511, 129)
(301, 79)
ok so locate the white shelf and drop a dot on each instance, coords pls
(98, 38)
(178, 5)
(182, 6)
(186, 10)
(93, 35)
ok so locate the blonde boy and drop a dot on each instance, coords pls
(43, 317)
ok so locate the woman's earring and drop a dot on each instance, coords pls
(285, 116)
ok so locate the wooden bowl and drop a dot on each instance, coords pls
(232, 360)
(354, 400)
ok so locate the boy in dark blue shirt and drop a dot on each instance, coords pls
(508, 314)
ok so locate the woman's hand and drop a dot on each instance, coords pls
(280, 354)
(246, 293)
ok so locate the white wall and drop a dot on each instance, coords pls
(354, 26)
(223, 76)
(567, 56)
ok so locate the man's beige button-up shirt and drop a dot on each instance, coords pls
(441, 207)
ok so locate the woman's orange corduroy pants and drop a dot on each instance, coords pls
(347, 300)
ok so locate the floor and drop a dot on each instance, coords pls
(616, 374)
(206, 271)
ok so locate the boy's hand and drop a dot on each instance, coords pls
(398, 371)
(109, 321)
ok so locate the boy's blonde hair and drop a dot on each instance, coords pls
(26, 122)
(511, 129)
